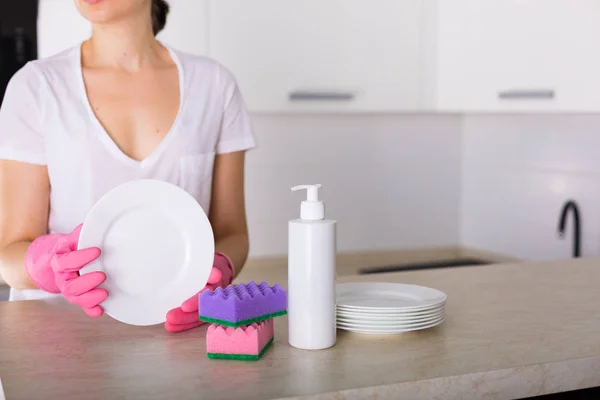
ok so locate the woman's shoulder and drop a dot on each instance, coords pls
(33, 84)
(36, 71)
(205, 67)
(57, 62)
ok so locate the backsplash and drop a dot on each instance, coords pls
(494, 183)
(517, 173)
(391, 181)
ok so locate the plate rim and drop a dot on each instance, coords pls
(389, 321)
(387, 327)
(441, 297)
(391, 332)
(395, 310)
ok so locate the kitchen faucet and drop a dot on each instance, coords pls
(571, 205)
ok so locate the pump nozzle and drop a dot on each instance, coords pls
(312, 208)
(312, 191)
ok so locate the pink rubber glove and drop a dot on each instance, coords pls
(53, 263)
(187, 317)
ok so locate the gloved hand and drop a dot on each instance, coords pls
(53, 263)
(187, 316)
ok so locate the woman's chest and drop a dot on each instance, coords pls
(124, 123)
(137, 111)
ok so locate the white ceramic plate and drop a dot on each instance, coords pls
(398, 325)
(378, 331)
(388, 321)
(382, 312)
(157, 249)
(387, 296)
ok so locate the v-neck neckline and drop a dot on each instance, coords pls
(103, 135)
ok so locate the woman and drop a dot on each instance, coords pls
(121, 106)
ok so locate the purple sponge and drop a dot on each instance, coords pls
(242, 304)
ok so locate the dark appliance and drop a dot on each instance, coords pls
(18, 33)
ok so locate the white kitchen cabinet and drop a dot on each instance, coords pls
(517, 55)
(314, 55)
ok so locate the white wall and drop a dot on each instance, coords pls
(392, 181)
(517, 172)
(493, 183)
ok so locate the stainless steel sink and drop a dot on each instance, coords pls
(456, 262)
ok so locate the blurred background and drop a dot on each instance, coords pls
(434, 126)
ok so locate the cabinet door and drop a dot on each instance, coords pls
(539, 55)
(59, 27)
(186, 28)
(314, 55)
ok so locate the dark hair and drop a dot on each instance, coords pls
(159, 12)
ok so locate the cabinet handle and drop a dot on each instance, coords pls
(527, 94)
(300, 95)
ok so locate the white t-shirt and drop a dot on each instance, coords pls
(46, 119)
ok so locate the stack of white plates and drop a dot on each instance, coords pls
(386, 308)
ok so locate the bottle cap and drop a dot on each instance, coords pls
(312, 208)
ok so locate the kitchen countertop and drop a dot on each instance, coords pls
(513, 330)
(353, 262)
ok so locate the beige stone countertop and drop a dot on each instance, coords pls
(351, 263)
(513, 330)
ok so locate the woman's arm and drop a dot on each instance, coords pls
(24, 203)
(228, 209)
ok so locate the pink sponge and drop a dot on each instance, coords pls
(242, 343)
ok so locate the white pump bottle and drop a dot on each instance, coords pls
(311, 275)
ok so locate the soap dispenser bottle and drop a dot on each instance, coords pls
(311, 275)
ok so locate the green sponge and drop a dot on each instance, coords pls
(244, 322)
